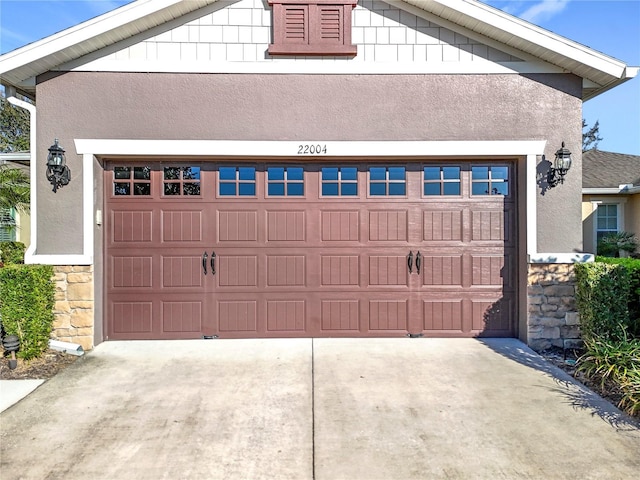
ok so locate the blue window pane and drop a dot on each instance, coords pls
(295, 189)
(276, 189)
(377, 173)
(349, 173)
(329, 189)
(432, 189)
(396, 173)
(294, 173)
(227, 173)
(451, 173)
(501, 188)
(500, 172)
(479, 173)
(452, 188)
(330, 173)
(480, 188)
(228, 189)
(377, 189)
(396, 189)
(247, 173)
(247, 189)
(191, 173)
(432, 173)
(275, 173)
(349, 189)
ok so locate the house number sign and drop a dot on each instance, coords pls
(310, 149)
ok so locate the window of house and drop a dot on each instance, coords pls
(339, 181)
(607, 220)
(312, 27)
(132, 181)
(439, 181)
(237, 181)
(7, 225)
(183, 180)
(387, 181)
(490, 180)
(285, 181)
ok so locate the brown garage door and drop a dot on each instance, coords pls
(290, 250)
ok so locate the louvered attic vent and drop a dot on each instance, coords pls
(314, 27)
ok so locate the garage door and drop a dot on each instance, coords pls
(289, 250)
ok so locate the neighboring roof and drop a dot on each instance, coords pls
(601, 72)
(607, 170)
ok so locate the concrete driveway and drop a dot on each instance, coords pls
(324, 409)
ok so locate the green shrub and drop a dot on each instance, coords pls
(633, 266)
(11, 252)
(613, 243)
(602, 296)
(26, 306)
(615, 363)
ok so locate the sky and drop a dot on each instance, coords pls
(609, 26)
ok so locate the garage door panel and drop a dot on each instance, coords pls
(182, 316)
(286, 226)
(182, 271)
(340, 270)
(443, 315)
(392, 314)
(237, 226)
(442, 270)
(132, 317)
(286, 315)
(237, 270)
(388, 225)
(340, 226)
(237, 316)
(131, 271)
(340, 315)
(442, 225)
(181, 226)
(286, 271)
(388, 270)
(492, 316)
(131, 226)
(494, 225)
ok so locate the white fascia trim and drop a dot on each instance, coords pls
(242, 148)
(81, 32)
(532, 205)
(538, 36)
(562, 258)
(623, 190)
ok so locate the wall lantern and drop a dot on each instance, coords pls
(561, 165)
(57, 171)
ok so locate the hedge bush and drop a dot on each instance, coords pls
(633, 266)
(26, 306)
(602, 296)
(12, 253)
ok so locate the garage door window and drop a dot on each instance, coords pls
(237, 181)
(339, 181)
(387, 181)
(285, 181)
(132, 181)
(182, 180)
(441, 181)
(490, 180)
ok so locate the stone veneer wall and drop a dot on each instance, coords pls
(553, 319)
(73, 309)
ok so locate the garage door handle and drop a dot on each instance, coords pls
(410, 261)
(213, 263)
(418, 261)
(204, 262)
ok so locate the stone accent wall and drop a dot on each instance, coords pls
(73, 309)
(553, 317)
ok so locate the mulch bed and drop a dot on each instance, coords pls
(41, 368)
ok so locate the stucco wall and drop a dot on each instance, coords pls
(308, 107)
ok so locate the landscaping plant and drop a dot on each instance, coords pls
(26, 306)
(615, 364)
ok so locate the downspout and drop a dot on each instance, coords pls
(32, 168)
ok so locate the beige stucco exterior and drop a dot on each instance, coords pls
(629, 207)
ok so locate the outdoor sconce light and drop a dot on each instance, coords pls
(561, 165)
(57, 171)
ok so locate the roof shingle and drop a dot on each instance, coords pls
(609, 170)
